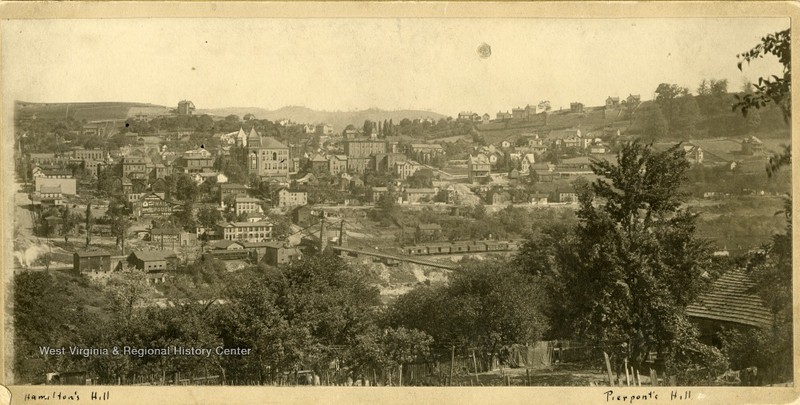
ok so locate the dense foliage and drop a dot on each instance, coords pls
(489, 305)
(631, 265)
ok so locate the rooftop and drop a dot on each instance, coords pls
(92, 253)
(732, 299)
(153, 255)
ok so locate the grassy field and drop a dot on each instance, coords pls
(81, 111)
(740, 224)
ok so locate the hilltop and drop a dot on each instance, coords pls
(339, 119)
(90, 111)
(712, 121)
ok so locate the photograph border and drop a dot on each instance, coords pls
(384, 10)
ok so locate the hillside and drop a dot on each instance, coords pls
(339, 119)
(99, 111)
(714, 120)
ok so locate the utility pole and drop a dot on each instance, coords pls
(88, 222)
(323, 242)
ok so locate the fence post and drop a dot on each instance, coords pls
(475, 363)
(608, 368)
(627, 379)
(452, 362)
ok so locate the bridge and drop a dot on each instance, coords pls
(389, 258)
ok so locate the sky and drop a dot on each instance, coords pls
(353, 64)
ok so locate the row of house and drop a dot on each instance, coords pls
(631, 100)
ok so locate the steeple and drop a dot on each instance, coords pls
(253, 139)
(241, 137)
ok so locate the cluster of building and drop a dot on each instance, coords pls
(530, 111)
(495, 173)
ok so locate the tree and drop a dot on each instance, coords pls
(718, 88)
(119, 228)
(651, 122)
(68, 223)
(185, 217)
(777, 90)
(118, 211)
(208, 217)
(421, 179)
(185, 188)
(46, 309)
(680, 109)
(633, 263)
(544, 105)
(297, 316)
(487, 304)
(713, 87)
(769, 349)
(667, 92)
(281, 226)
(368, 126)
(703, 89)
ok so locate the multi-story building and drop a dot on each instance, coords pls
(167, 236)
(47, 159)
(523, 113)
(502, 116)
(406, 169)
(415, 195)
(479, 167)
(88, 154)
(277, 253)
(185, 107)
(154, 205)
(48, 196)
(424, 152)
(195, 161)
(358, 165)
(85, 261)
(360, 148)
(160, 171)
(134, 165)
(267, 157)
(245, 231)
(376, 193)
(385, 162)
(287, 198)
(526, 162)
(325, 129)
(247, 205)
(231, 189)
(337, 164)
(66, 186)
(318, 163)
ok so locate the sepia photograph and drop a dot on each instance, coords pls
(398, 202)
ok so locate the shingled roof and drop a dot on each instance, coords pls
(732, 299)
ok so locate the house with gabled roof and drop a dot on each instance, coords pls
(152, 260)
(731, 302)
